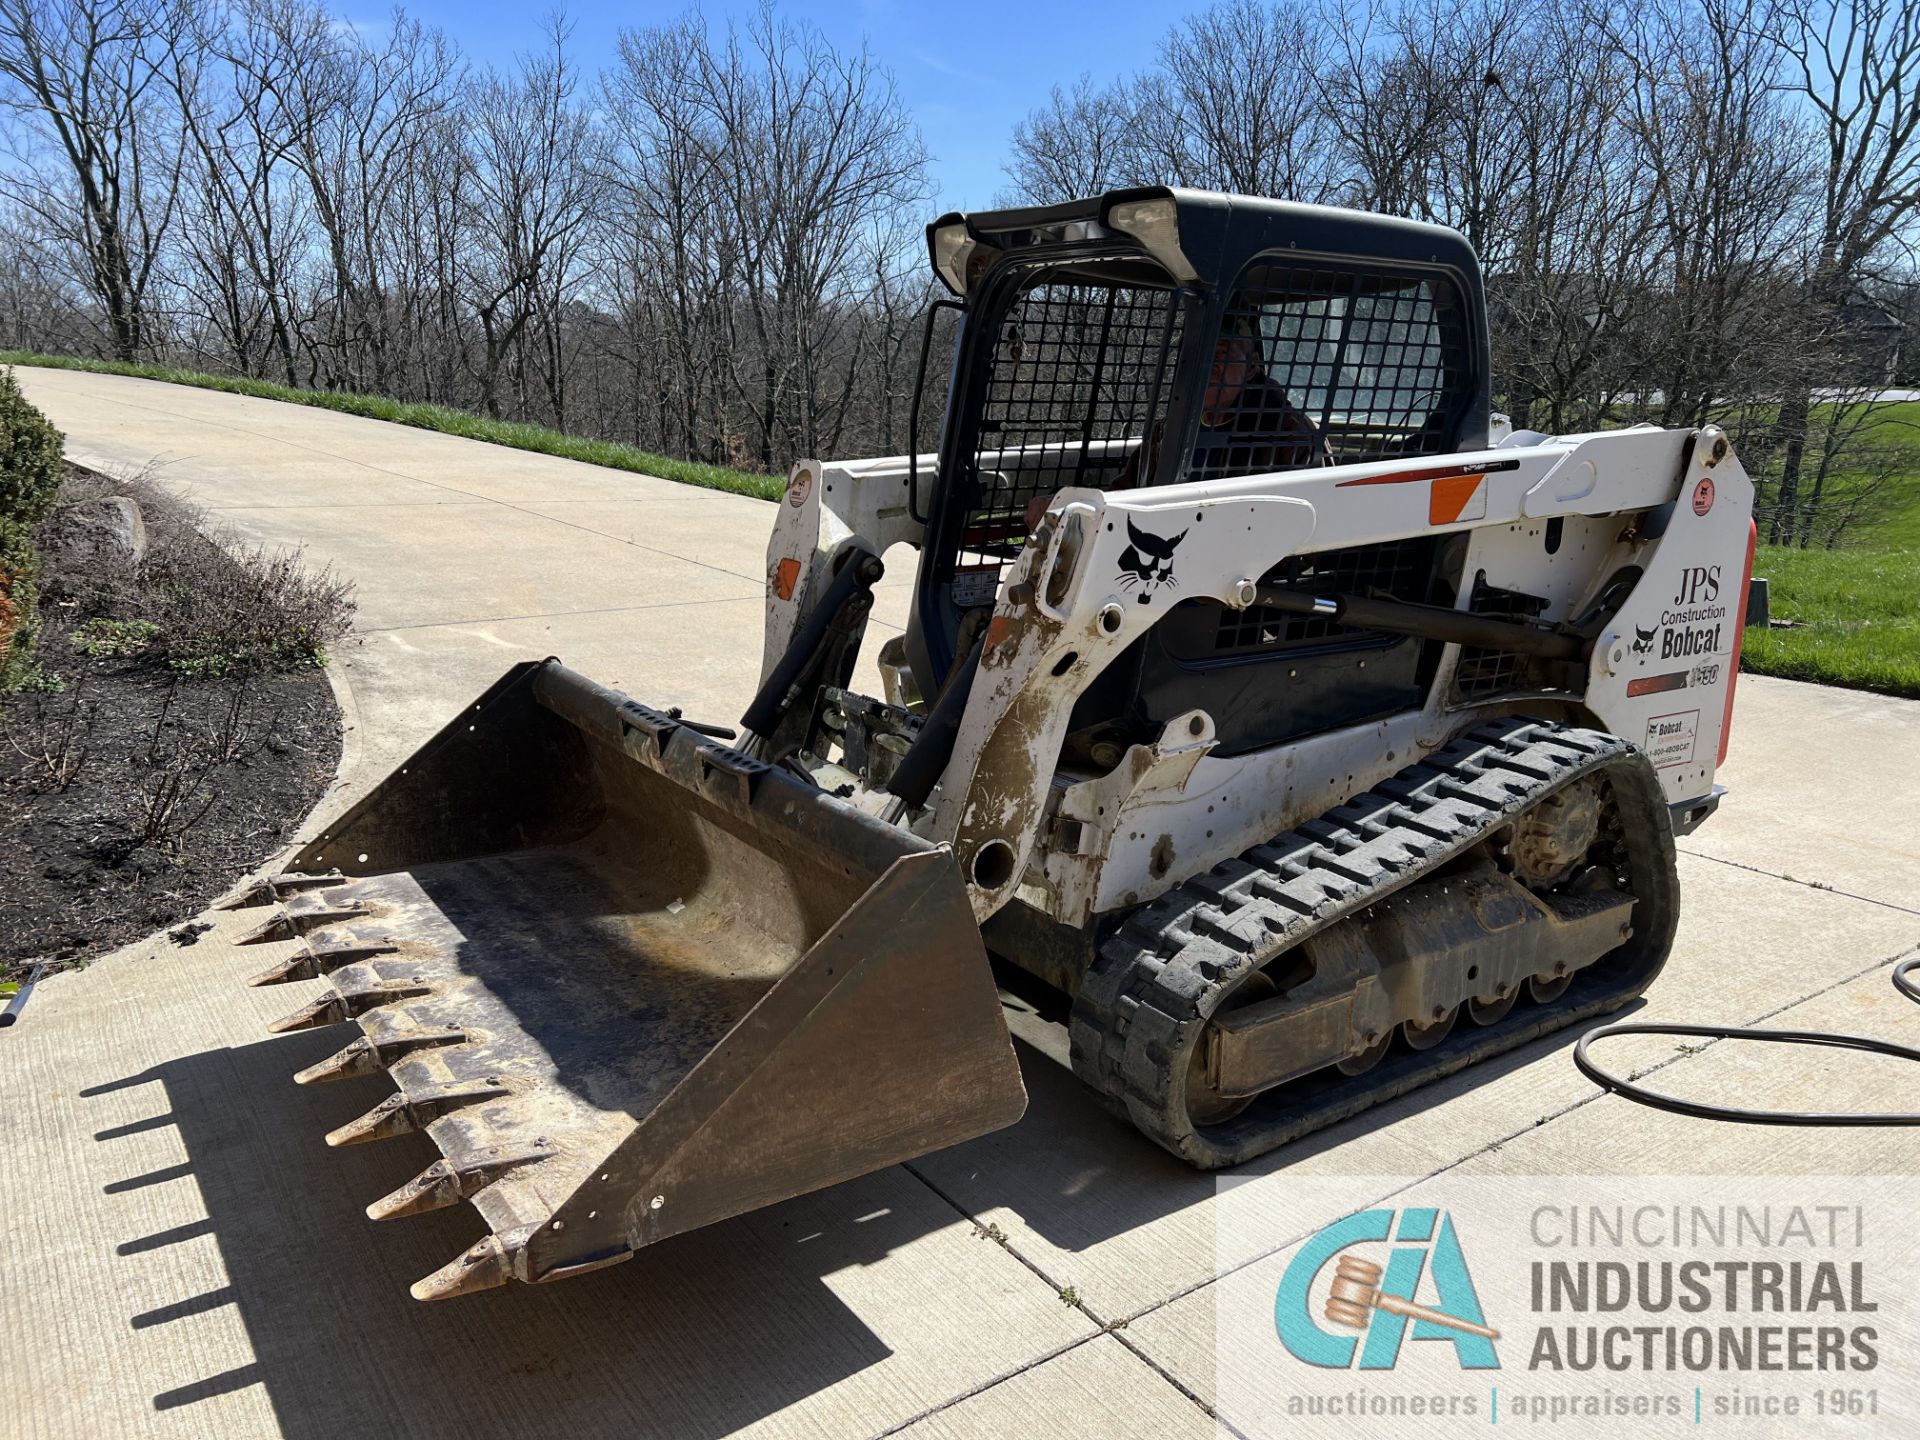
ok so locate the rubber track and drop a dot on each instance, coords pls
(1155, 982)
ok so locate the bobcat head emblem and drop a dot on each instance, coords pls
(1644, 645)
(1147, 562)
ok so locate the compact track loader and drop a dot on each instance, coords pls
(1288, 725)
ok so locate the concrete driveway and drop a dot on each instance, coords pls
(185, 1257)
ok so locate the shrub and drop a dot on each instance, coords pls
(29, 479)
(203, 603)
(227, 611)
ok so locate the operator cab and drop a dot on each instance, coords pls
(1154, 337)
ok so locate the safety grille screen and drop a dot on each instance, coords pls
(1397, 570)
(1081, 373)
(1483, 672)
(1317, 365)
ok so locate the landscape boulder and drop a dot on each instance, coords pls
(111, 524)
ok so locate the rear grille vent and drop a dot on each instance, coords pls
(1398, 570)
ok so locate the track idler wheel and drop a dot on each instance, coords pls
(1492, 1011)
(1546, 989)
(1362, 1061)
(1425, 1037)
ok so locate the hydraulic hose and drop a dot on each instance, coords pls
(1903, 981)
(858, 574)
(926, 760)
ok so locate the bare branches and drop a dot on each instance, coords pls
(102, 168)
(53, 732)
(1686, 210)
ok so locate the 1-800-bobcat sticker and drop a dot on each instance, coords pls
(1670, 738)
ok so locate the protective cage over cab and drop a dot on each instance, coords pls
(1154, 336)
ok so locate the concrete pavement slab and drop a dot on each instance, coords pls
(1194, 1337)
(297, 480)
(486, 562)
(131, 422)
(412, 678)
(728, 537)
(1822, 765)
(1094, 1391)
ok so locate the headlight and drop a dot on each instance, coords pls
(1155, 223)
(953, 249)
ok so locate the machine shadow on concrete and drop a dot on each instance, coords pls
(1080, 1176)
(701, 1335)
(698, 1336)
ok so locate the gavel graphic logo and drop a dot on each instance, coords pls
(1356, 1294)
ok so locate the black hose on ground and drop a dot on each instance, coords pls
(1903, 981)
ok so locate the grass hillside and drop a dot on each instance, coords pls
(1858, 606)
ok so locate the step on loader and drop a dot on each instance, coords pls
(1285, 725)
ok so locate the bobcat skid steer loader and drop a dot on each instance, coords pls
(1303, 733)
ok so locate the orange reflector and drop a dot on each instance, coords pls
(785, 577)
(1455, 498)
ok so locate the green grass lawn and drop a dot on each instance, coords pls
(1861, 609)
(448, 421)
(1860, 603)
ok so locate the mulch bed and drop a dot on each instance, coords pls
(136, 794)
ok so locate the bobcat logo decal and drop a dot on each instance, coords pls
(1644, 645)
(1147, 562)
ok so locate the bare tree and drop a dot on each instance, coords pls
(1857, 65)
(371, 131)
(531, 190)
(101, 168)
(672, 255)
(819, 151)
(1234, 103)
(1081, 142)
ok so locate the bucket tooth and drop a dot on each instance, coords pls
(299, 917)
(323, 955)
(358, 1058)
(406, 1111)
(347, 1002)
(294, 967)
(448, 1182)
(276, 927)
(482, 1267)
(370, 1053)
(328, 1009)
(275, 888)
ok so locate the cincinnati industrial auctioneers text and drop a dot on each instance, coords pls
(1737, 1315)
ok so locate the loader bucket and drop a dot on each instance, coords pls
(631, 981)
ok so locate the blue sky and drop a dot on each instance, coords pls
(968, 71)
